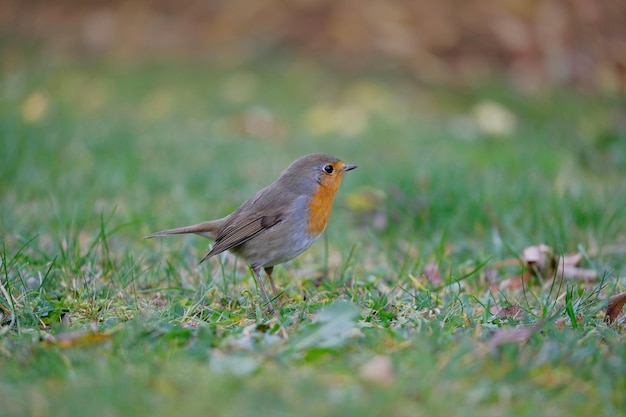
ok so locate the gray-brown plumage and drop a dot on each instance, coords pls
(280, 221)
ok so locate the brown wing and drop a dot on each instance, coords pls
(236, 233)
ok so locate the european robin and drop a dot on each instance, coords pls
(281, 221)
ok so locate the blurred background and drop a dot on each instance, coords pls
(170, 112)
(533, 44)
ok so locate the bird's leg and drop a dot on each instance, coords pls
(268, 271)
(256, 271)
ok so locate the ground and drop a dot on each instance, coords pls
(412, 302)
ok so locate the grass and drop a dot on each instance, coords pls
(95, 156)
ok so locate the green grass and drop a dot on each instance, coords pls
(98, 321)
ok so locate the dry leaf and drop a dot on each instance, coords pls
(378, 370)
(567, 267)
(431, 272)
(560, 322)
(491, 276)
(571, 260)
(367, 205)
(514, 335)
(260, 122)
(34, 107)
(366, 199)
(346, 120)
(77, 338)
(614, 308)
(573, 272)
(538, 258)
(494, 118)
(541, 261)
(516, 282)
(509, 312)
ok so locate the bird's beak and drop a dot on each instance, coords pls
(348, 167)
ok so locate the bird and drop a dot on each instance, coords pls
(280, 221)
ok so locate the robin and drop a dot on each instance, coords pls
(281, 221)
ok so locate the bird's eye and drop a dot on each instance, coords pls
(329, 169)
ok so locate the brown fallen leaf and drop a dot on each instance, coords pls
(6, 311)
(512, 335)
(365, 204)
(378, 370)
(509, 312)
(539, 259)
(560, 322)
(260, 122)
(491, 276)
(614, 307)
(571, 260)
(77, 338)
(432, 274)
(574, 272)
(516, 282)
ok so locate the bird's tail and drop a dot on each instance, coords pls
(208, 229)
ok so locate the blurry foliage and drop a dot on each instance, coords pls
(536, 44)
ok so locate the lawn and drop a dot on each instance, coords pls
(416, 301)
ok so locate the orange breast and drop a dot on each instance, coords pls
(320, 206)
